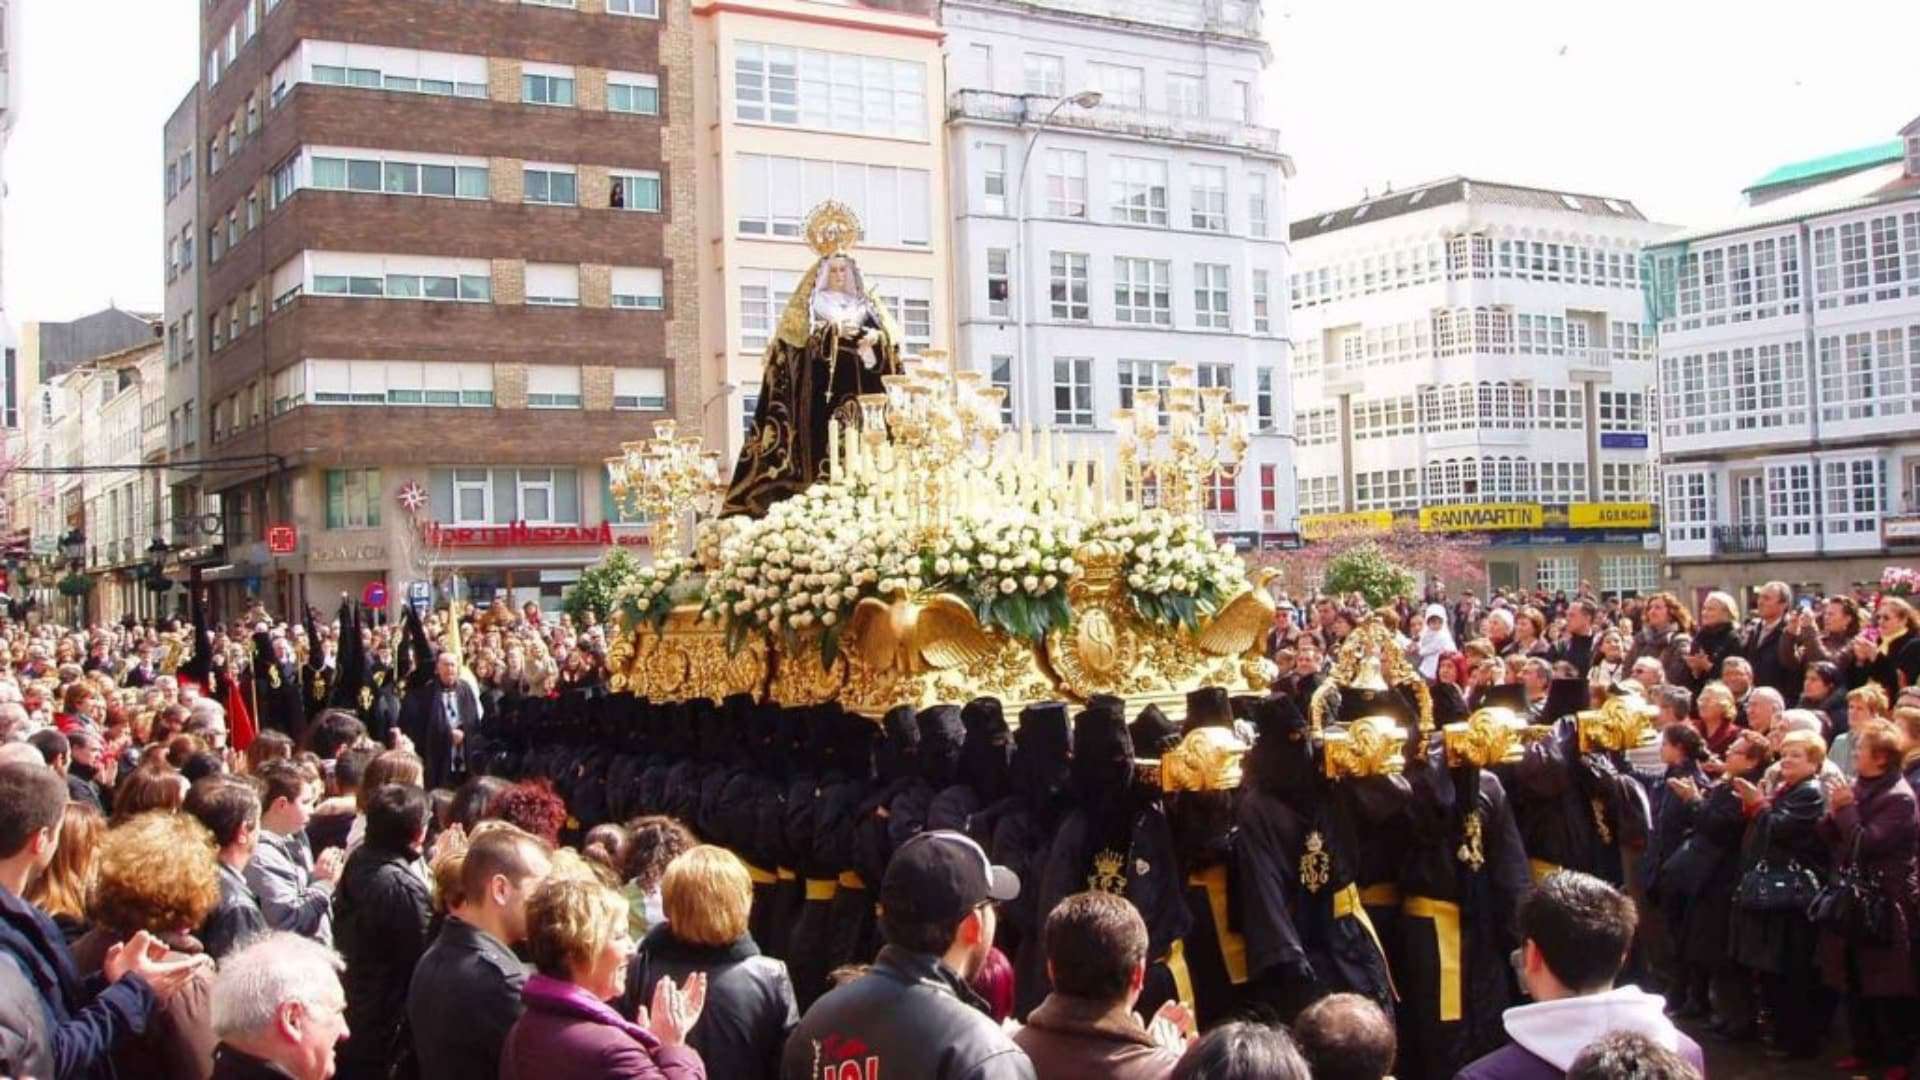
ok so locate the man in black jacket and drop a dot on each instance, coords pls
(1577, 647)
(230, 809)
(437, 717)
(380, 915)
(465, 993)
(914, 1013)
(1771, 643)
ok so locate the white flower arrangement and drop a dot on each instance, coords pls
(649, 597)
(801, 569)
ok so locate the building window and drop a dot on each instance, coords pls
(640, 388)
(637, 94)
(1119, 84)
(503, 496)
(568, 4)
(1790, 500)
(999, 283)
(830, 91)
(1001, 375)
(649, 9)
(1044, 75)
(911, 301)
(553, 386)
(1855, 494)
(1256, 204)
(1186, 95)
(1066, 183)
(1207, 188)
(545, 90)
(551, 187)
(749, 404)
(1134, 376)
(638, 191)
(1263, 408)
(1629, 575)
(1318, 494)
(774, 195)
(1138, 191)
(1262, 304)
(1143, 291)
(993, 165)
(1073, 391)
(1557, 574)
(641, 288)
(1068, 286)
(553, 285)
(1210, 296)
(353, 498)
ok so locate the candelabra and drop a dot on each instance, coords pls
(664, 477)
(925, 445)
(1204, 441)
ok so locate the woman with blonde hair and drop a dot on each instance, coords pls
(1718, 635)
(577, 940)
(750, 1000)
(1717, 710)
(63, 887)
(1896, 664)
(159, 873)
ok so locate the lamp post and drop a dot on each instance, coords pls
(73, 546)
(157, 583)
(1085, 99)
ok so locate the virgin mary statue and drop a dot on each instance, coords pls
(834, 343)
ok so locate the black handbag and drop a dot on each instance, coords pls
(1766, 887)
(1685, 872)
(1852, 905)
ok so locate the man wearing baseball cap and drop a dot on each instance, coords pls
(913, 1013)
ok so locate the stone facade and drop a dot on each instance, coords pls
(596, 388)
(596, 286)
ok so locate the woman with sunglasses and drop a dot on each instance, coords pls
(1896, 665)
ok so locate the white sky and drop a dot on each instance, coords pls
(1675, 104)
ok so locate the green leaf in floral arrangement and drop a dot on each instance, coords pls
(830, 645)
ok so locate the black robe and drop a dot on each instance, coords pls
(1456, 812)
(1146, 873)
(801, 389)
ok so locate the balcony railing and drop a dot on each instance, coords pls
(1750, 539)
(1113, 119)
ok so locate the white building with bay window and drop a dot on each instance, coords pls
(1789, 344)
(1096, 244)
(1472, 355)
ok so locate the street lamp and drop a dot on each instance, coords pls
(1085, 99)
(73, 547)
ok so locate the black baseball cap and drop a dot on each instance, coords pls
(938, 876)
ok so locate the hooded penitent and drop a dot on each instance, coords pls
(1153, 732)
(941, 736)
(986, 757)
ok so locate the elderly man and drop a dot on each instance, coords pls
(279, 1011)
(437, 715)
(1770, 645)
(1650, 673)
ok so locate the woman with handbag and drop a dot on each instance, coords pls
(1779, 943)
(1867, 956)
(1709, 864)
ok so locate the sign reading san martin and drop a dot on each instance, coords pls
(1481, 517)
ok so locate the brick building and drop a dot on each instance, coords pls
(438, 257)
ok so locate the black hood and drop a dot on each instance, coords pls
(899, 755)
(1208, 706)
(854, 741)
(986, 759)
(1282, 761)
(1043, 757)
(1102, 752)
(941, 735)
(1153, 732)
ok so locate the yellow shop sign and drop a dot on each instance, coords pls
(1477, 517)
(1623, 515)
(1321, 526)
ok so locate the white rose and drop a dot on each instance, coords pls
(988, 562)
(1050, 564)
(1179, 583)
(1008, 585)
(942, 566)
(961, 567)
(1030, 583)
(1049, 583)
(830, 617)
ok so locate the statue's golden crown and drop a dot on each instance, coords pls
(832, 229)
